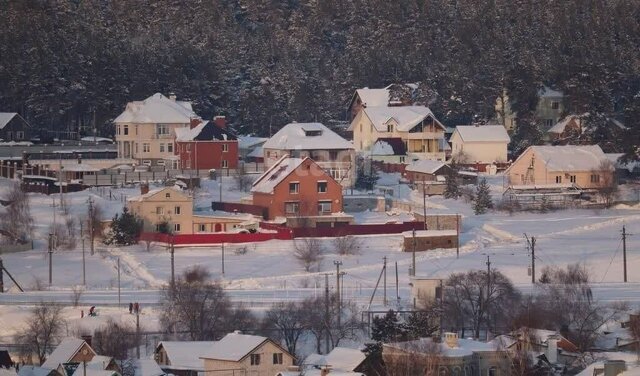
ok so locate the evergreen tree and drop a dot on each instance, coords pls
(422, 324)
(367, 175)
(124, 229)
(482, 201)
(452, 189)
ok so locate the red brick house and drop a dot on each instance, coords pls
(207, 145)
(296, 187)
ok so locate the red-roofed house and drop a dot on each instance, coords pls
(296, 187)
(207, 145)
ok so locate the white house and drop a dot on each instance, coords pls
(480, 144)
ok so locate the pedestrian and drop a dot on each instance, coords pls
(130, 308)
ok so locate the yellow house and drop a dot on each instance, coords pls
(241, 354)
(584, 166)
(145, 131)
(416, 126)
(483, 144)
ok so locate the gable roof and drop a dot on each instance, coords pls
(157, 109)
(560, 126)
(205, 131)
(274, 175)
(236, 346)
(373, 97)
(568, 157)
(425, 166)
(5, 118)
(465, 347)
(246, 142)
(547, 92)
(389, 146)
(66, 350)
(154, 192)
(345, 359)
(482, 133)
(406, 117)
(148, 367)
(186, 354)
(27, 370)
(295, 136)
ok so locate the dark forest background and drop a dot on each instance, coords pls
(265, 63)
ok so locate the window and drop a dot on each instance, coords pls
(360, 127)
(19, 135)
(162, 129)
(225, 164)
(291, 207)
(167, 195)
(324, 207)
(176, 227)
(136, 147)
(188, 147)
(322, 187)
(118, 130)
(294, 187)
(555, 105)
(595, 178)
(401, 159)
(333, 155)
(146, 147)
(158, 227)
(548, 123)
(202, 227)
(159, 210)
(493, 371)
(390, 128)
(225, 148)
(337, 174)
(188, 164)
(558, 179)
(170, 148)
(277, 358)
(125, 130)
(255, 359)
(176, 210)
(572, 178)
(161, 148)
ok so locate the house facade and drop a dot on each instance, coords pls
(548, 110)
(584, 166)
(296, 187)
(240, 354)
(313, 140)
(13, 127)
(146, 130)
(479, 144)
(208, 145)
(182, 358)
(567, 129)
(426, 170)
(416, 126)
(69, 350)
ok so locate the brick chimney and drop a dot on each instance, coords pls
(194, 122)
(144, 188)
(220, 122)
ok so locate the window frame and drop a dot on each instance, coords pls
(278, 358)
(293, 184)
(177, 210)
(176, 227)
(296, 205)
(322, 204)
(322, 183)
(225, 148)
(255, 359)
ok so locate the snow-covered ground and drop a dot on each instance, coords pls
(268, 271)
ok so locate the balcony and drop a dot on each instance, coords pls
(423, 136)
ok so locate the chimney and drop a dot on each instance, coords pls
(220, 122)
(451, 340)
(172, 96)
(194, 122)
(552, 349)
(87, 339)
(144, 188)
(614, 367)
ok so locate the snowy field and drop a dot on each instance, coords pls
(268, 271)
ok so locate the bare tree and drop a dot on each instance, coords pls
(200, 307)
(95, 215)
(308, 251)
(289, 323)
(76, 294)
(241, 178)
(44, 325)
(116, 339)
(634, 329)
(347, 245)
(17, 222)
(419, 357)
(320, 326)
(604, 178)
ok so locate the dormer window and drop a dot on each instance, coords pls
(312, 132)
(390, 128)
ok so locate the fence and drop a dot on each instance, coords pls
(344, 230)
(389, 167)
(206, 239)
(233, 207)
(9, 248)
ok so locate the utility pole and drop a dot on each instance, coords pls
(326, 312)
(624, 252)
(384, 300)
(397, 287)
(1, 276)
(457, 235)
(91, 224)
(223, 259)
(60, 181)
(173, 274)
(338, 295)
(118, 282)
(413, 256)
(424, 204)
(138, 333)
(50, 259)
(84, 269)
(531, 245)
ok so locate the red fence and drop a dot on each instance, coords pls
(372, 229)
(233, 207)
(203, 239)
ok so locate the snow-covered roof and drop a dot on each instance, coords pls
(157, 109)
(256, 153)
(570, 157)
(306, 136)
(482, 133)
(153, 192)
(547, 92)
(429, 233)
(79, 167)
(205, 131)
(64, 352)
(465, 347)
(148, 367)
(5, 118)
(274, 175)
(374, 97)
(405, 117)
(8, 372)
(96, 139)
(246, 142)
(234, 347)
(27, 370)
(93, 371)
(425, 166)
(344, 359)
(560, 126)
(186, 354)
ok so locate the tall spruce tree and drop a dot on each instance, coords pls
(482, 201)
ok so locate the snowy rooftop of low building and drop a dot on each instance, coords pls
(429, 233)
(344, 359)
(425, 166)
(405, 117)
(234, 346)
(157, 109)
(63, 352)
(186, 355)
(245, 142)
(96, 139)
(464, 347)
(205, 131)
(561, 125)
(482, 133)
(374, 97)
(153, 192)
(570, 157)
(306, 136)
(27, 370)
(274, 175)
(147, 367)
(5, 118)
(547, 92)
(256, 153)
(79, 167)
